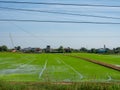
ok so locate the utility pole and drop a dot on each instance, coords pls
(11, 40)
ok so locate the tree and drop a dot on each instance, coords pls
(18, 48)
(117, 50)
(0, 48)
(3, 48)
(61, 49)
(93, 50)
(83, 49)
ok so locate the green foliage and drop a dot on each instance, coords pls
(18, 48)
(117, 50)
(4, 85)
(93, 50)
(83, 49)
(61, 49)
(3, 48)
(60, 86)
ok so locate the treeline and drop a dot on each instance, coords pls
(101, 50)
(61, 49)
(4, 48)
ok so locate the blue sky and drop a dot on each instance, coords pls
(73, 35)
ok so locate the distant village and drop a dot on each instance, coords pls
(61, 49)
(48, 49)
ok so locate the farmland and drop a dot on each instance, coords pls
(56, 68)
(110, 59)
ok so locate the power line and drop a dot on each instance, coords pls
(11, 39)
(30, 34)
(27, 32)
(74, 36)
(48, 21)
(54, 12)
(63, 4)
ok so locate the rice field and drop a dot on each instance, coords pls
(110, 59)
(55, 68)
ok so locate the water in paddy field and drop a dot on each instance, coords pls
(54, 68)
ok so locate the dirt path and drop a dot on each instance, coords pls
(97, 62)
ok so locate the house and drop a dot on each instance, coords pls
(48, 49)
(101, 50)
(67, 50)
(32, 50)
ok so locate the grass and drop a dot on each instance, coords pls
(58, 86)
(53, 68)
